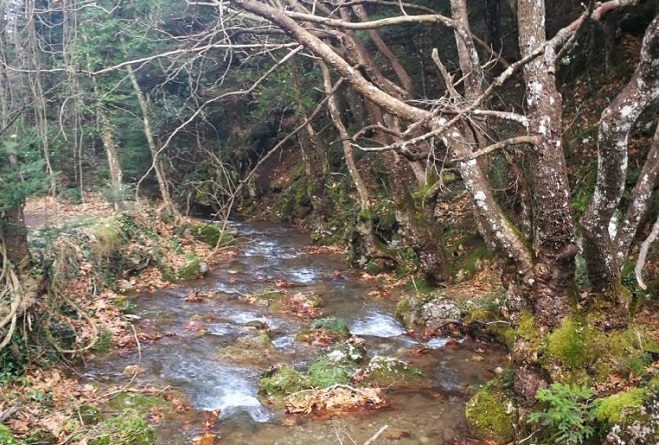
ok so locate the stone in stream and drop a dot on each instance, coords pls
(391, 371)
(323, 331)
(252, 349)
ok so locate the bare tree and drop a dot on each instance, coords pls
(539, 269)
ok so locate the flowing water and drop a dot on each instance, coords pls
(186, 358)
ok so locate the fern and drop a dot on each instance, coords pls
(567, 414)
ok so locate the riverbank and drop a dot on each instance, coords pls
(119, 255)
(89, 259)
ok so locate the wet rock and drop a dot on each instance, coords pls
(132, 370)
(324, 331)
(390, 371)
(252, 349)
(254, 325)
(432, 312)
(437, 312)
(281, 380)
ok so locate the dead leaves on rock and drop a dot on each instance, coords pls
(337, 398)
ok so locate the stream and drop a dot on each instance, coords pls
(187, 360)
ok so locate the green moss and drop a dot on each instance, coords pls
(419, 285)
(503, 333)
(283, 381)
(88, 414)
(109, 236)
(6, 437)
(260, 341)
(527, 328)
(570, 345)
(331, 327)
(324, 372)
(623, 352)
(373, 267)
(126, 428)
(140, 403)
(491, 413)
(622, 408)
(208, 233)
(403, 312)
(330, 324)
(193, 268)
(103, 344)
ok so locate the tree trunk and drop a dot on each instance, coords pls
(157, 164)
(553, 226)
(107, 136)
(606, 241)
(364, 224)
(14, 236)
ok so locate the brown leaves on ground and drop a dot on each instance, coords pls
(46, 400)
(338, 398)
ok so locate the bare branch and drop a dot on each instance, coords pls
(210, 101)
(502, 144)
(274, 149)
(269, 46)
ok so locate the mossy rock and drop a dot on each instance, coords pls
(6, 437)
(193, 268)
(326, 371)
(210, 234)
(391, 371)
(622, 408)
(331, 328)
(126, 428)
(489, 322)
(409, 310)
(283, 381)
(251, 349)
(347, 352)
(140, 403)
(491, 414)
(570, 346)
(88, 414)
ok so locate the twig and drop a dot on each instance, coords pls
(376, 435)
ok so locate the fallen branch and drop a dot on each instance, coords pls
(376, 435)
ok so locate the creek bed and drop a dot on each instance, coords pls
(187, 357)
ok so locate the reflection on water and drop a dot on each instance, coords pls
(188, 358)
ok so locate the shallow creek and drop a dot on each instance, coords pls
(188, 360)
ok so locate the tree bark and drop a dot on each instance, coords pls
(605, 244)
(157, 164)
(14, 236)
(555, 248)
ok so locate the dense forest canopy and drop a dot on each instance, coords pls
(388, 107)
